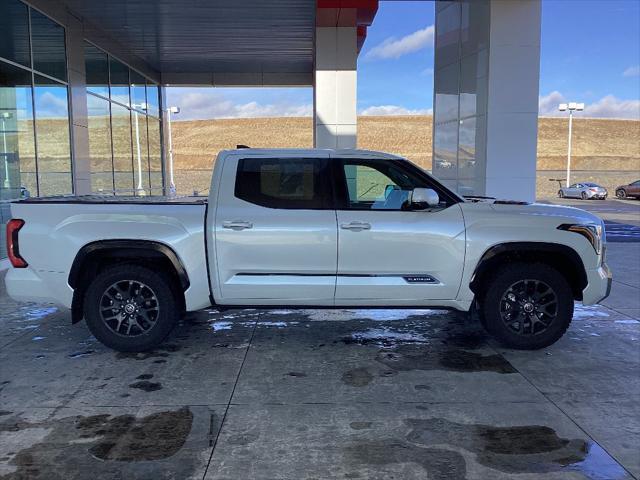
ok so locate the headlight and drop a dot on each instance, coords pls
(593, 233)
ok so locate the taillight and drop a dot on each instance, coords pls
(593, 189)
(13, 250)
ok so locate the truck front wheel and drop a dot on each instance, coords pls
(131, 308)
(528, 306)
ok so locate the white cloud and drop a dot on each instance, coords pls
(633, 71)
(50, 105)
(393, 47)
(394, 110)
(427, 72)
(548, 104)
(213, 104)
(613, 107)
(607, 107)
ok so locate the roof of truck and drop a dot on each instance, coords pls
(333, 153)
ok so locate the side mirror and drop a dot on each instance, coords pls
(424, 196)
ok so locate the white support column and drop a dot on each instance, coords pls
(512, 108)
(334, 92)
(487, 69)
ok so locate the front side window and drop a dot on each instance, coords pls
(382, 185)
(289, 183)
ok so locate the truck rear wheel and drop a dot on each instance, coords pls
(528, 306)
(130, 308)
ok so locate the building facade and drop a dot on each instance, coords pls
(82, 85)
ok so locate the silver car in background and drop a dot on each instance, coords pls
(585, 191)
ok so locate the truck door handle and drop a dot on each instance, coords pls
(237, 225)
(356, 226)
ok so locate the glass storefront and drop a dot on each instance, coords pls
(35, 153)
(124, 127)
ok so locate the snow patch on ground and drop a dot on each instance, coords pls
(217, 326)
(627, 321)
(586, 311)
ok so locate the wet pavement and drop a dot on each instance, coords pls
(322, 394)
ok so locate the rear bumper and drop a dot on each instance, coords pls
(598, 285)
(29, 285)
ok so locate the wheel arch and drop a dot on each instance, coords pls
(561, 257)
(94, 256)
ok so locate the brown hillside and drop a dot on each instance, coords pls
(598, 144)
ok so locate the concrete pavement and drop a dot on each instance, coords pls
(314, 394)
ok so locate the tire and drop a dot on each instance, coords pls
(525, 334)
(560, 194)
(583, 195)
(128, 329)
(621, 193)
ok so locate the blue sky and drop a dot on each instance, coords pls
(590, 53)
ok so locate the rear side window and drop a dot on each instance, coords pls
(294, 183)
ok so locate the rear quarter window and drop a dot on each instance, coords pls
(285, 183)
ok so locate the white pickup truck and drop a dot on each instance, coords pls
(307, 228)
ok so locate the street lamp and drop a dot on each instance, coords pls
(172, 185)
(571, 107)
(142, 106)
(5, 116)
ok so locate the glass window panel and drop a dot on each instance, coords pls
(122, 153)
(97, 67)
(100, 145)
(52, 137)
(153, 102)
(138, 91)
(48, 45)
(119, 81)
(282, 183)
(140, 152)
(14, 32)
(17, 149)
(155, 156)
(445, 149)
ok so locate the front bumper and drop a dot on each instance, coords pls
(598, 285)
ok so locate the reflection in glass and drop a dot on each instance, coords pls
(153, 102)
(47, 38)
(97, 67)
(446, 94)
(17, 149)
(122, 153)
(155, 156)
(119, 81)
(52, 136)
(100, 145)
(467, 147)
(445, 146)
(138, 91)
(14, 32)
(140, 152)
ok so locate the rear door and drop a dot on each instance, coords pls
(275, 231)
(387, 253)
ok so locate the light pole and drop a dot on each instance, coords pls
(141, 106)
(172, 185)
(571, 107)
(5, 116)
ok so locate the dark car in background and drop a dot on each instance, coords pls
(631, 190)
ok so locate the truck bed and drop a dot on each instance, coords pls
(111, 199)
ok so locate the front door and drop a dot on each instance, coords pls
(275, 231)
(389, 254)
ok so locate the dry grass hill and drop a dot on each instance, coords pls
(605, 151)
